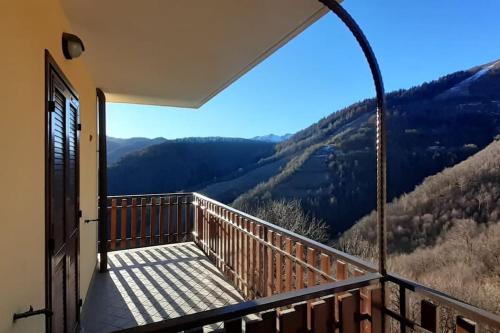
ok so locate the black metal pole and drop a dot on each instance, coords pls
(381, 144)
(103, 184)
(381, 136)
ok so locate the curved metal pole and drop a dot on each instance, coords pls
(336, 8)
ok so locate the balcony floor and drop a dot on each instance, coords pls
(150, 284)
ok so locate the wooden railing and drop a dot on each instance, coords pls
(292, 283)
(149, 219)
(262, 259)
(313, 309)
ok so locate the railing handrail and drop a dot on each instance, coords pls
(150, 195)
(306, 241)
(238, 310)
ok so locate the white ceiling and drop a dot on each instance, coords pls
(181, 52)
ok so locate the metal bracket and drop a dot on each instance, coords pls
(31, 312)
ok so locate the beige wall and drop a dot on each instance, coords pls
(27, 28)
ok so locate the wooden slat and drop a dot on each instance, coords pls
(270, 271)
(233, 325)
(311, 261)
(429, 316)
(267, 323)
(340, 274)
(232, 244)
(152, 221)
(278, 268)
(123, 225)
(133, 223)
(223, 244)
(179, 219)
(258, 261)
(325, 267)
(189, 222)
(171, 224)
(218, 237)
(376, 306)
(251, 255)
(288, 265)
(144, 208)
(198, 213)
(162, 220)
(465, 326)
(348, 312)
(242, 255)
(365, 304)
(341, 270)
(293, 320)
(299, 270)
(113, 224)
(322, 315)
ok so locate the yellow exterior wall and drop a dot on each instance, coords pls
(27, 28)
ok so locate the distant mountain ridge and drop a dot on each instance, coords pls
(273, 138)
(117, 148)
(184, 164)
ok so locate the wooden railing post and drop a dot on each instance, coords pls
(162, 221)
(258, 261)
(288, 265)
(113, 232)
(279, 275)
(144, 207)
(179, 218)
(429, 316)
(325, 267)
(299, 270)
(270, 271)
(349, 311)
(123, 226)
(377, 306)
(152, 221)
(133, 223)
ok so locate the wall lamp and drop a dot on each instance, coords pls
(72, 46)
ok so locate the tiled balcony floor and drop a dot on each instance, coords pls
(152, 284)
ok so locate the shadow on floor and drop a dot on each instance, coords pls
(154, 283)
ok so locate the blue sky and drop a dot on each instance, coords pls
(323, 70)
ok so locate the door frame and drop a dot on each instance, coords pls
(51, 65)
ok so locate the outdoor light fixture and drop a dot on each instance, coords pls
(72, 46)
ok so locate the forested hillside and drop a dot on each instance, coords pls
(184, 164)
(468, 191)
(446, 233)
(117, 148)
(330, 165)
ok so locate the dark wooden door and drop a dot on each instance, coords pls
(63, 202)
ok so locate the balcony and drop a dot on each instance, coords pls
(183, 261)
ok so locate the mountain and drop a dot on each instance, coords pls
(184, 164)
(469, 190)
(446, 233)
(273, 138)
(330, 166)
(117, 147)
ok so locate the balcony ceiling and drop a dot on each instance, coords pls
(181, 52)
